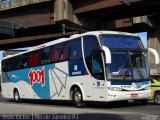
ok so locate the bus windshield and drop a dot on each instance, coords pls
(119, 68)
(121, 42)
(139, 65)
(128, 59)
(128, 65)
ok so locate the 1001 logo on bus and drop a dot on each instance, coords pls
(36, 76)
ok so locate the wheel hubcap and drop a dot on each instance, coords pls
(16, 96)
(78, 98)
(157, 99)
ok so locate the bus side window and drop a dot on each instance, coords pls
(33, 59)
(3, 66)
(54, 55)
(62, 54)
(90, 44)
(97, 66)
(8, 65)
(19, 64)
(13, 66)
(59, 53)
(74, 49)
(25, 61)
(45, 56)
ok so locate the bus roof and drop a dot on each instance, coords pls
(60, 40)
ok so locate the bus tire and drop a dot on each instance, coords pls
(78, 98)
(17, 98)
(157, 98)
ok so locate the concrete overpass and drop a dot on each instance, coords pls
(39, 21)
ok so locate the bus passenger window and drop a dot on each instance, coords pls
(33, 59)
(74, 49)
(54, 55)
(45, 56)
(62, 54)
(7, 66)
(58, 53)
(4, 66)
(25, 63)
(97, 66)
(19, 64)
(90, 44)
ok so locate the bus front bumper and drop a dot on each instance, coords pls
(128, 95)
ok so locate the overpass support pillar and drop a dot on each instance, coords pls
(154, 42)
(63, 10)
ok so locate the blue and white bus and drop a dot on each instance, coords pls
(93, 66)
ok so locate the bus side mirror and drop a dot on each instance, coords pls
(155, 53)
(107, 54)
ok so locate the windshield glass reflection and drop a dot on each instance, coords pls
(127, 65)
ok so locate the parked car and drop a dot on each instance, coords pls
(155, 88)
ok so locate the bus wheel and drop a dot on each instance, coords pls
(78, 98)
(157, 98)
(17, 98)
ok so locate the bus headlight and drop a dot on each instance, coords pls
(115, 88)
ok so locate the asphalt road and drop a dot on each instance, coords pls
(32, 109)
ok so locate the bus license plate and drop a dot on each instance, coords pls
(134, 95)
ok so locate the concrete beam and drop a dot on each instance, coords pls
(32, 16)
(18, 3)
(133, 24)
(27, 39)
(32, 20)
(142, 19)
(6, 29)
(81, 6)
(129, 22)
(32, 38)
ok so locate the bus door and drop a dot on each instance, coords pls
(98, 76)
